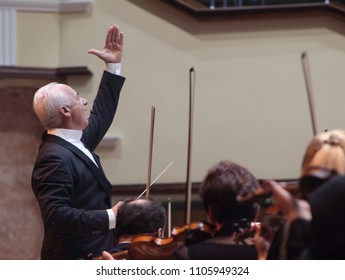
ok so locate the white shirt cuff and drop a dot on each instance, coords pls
(114, 68)
(112, 218)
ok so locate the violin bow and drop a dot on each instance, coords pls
(155, 179)
(148, 181)
(190, 134)
(306, 71)
(149, 169)
(169, 217)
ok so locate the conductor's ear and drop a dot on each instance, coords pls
(64, 110)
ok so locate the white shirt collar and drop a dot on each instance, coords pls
(70, 135)
(73, 137)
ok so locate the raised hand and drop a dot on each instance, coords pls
(113, 48)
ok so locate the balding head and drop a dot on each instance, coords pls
(59, 106)
(140, 216)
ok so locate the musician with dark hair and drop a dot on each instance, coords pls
(139, 216)
(231, 219)
(136, 217)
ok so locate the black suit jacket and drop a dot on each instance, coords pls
(73, 193)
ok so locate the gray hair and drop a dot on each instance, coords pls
(46, 103)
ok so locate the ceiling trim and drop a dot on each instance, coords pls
(194, 8)
(58, 6)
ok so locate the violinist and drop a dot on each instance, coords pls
(323, 160)
(136, 217)
(231, 219)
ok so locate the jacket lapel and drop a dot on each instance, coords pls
(97, 171)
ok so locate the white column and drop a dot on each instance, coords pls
(8, 36)
(8, 10)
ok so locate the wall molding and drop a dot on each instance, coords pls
(42, 72)
(57, 6)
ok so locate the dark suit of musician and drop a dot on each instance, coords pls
(72, 191)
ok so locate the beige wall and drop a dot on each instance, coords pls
(38, 39)
(250, 96)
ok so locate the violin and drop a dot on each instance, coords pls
(150, 247)
(270, 215)
(263, 192)
(313, 177)
(193, 232)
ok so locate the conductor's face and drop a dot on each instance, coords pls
(76, 110)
